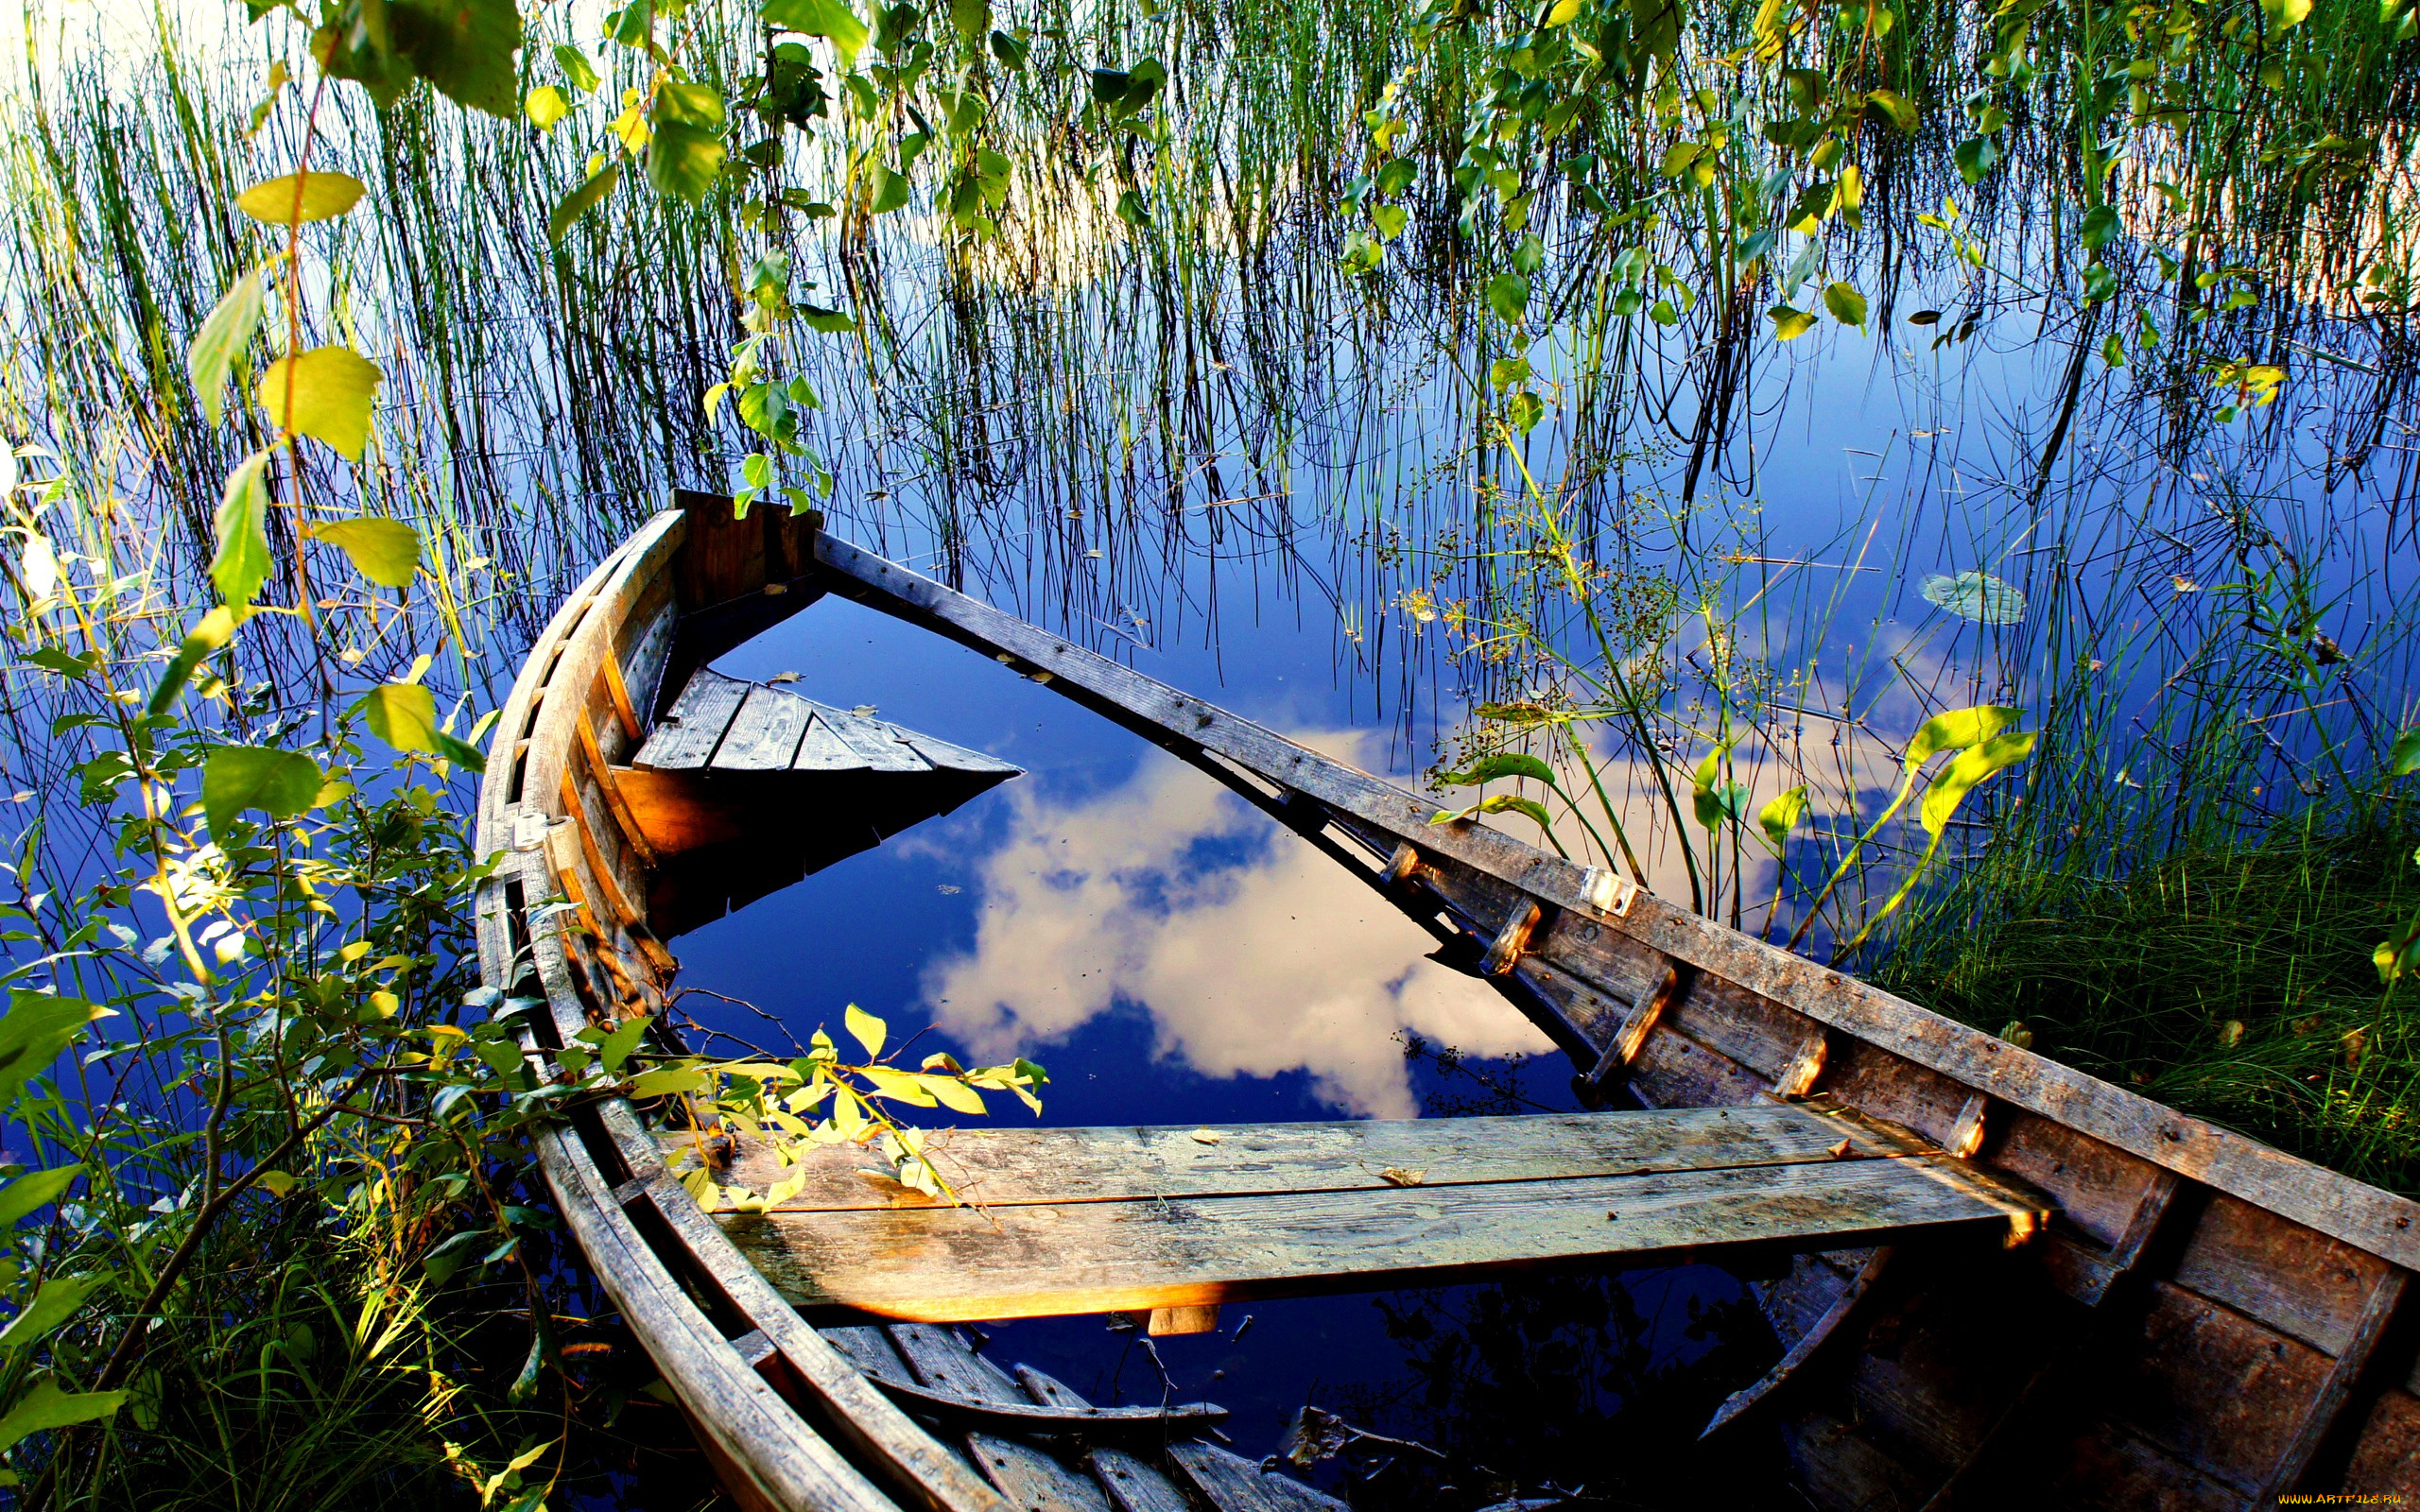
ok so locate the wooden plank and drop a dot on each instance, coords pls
(681, 811)
(2364, 1215)
(685, 738)
(2212, 1387)
(2317, 1421)
(2296, 1281)
(1130, 1482)
(2113, 1470)
(1000, 1167)
(878, 742)
(1234, 1484)
(819, 749)
(763, 735)
(1821, 1332)
(945, 1264)
(951, 758)
(1031, 1480)
(2386, 1461)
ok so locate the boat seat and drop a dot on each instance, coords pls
(721, 724)
(1061, 1221)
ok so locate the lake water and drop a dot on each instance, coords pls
(1201, 451)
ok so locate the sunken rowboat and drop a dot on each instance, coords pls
(1995, 1278)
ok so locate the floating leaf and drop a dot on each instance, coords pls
(385, 551)
(1978, 597)
(241, 564)
(283, 784)
(298, 198)
(869, 1030)
(1395, 1175)
(326, 394)
(224, 335)
(1207, 1135)
(580, 201)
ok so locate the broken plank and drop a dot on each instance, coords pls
(950, 1263)
(878, 742)
(821, 751)
(1132, 1483)
(1234, 1484)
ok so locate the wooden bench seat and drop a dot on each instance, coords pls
(1089, 1220)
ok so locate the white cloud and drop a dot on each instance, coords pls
(1253, 954)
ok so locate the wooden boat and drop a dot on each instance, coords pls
(2166, 1313)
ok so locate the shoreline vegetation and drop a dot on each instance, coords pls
(339, 342)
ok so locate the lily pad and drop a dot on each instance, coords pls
(1978, 597)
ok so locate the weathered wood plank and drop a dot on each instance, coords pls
(997, 1167)
(764, 734)
(1096, 1257)
(2317, 1421)
(2364, 1215)
(2296, 1281)
(2214, 1389)
(685, 738)
(878, 743)
(819, 749)
(2387, 1458)
(1234, 1484)
(1031, 1479)
(1130, 1482)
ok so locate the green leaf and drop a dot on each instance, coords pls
(954, 1094)
(831, 322)
(297, 199)
(614, 1047)
(37, 1030)
(209, 633)
(2404, 759)
(581, 200)
(463, 47)
(326, 394)
(1896, 108)
(972, 18)
(1972, 766)
(2285, 15)
(1503, 763)
(1508, 294)
(1788, 323)
(1009, 50)
(224, 335)
(241, 564)
(891, 190)
(666, 1080)
(1527, 808)
(577, 71)
(1781, 816)
(54, 1304)
(35, 1189)
(1956, 730)
(821, 18)
(1846, 304)
(404, 714)
(236, 778)
(47, 1407)
(546, 107)
(385, 551)
(2099, 224)
(869, 1030)
(684, 156)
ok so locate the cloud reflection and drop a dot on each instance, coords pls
(1251, 952)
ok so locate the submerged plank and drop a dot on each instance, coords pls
(1042, 1260)
(764, 734)
(995, 1167)
(685, 738)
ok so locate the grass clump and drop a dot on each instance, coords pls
(2228, 977)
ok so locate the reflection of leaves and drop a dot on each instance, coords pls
(2404, 759)
(581, 200)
